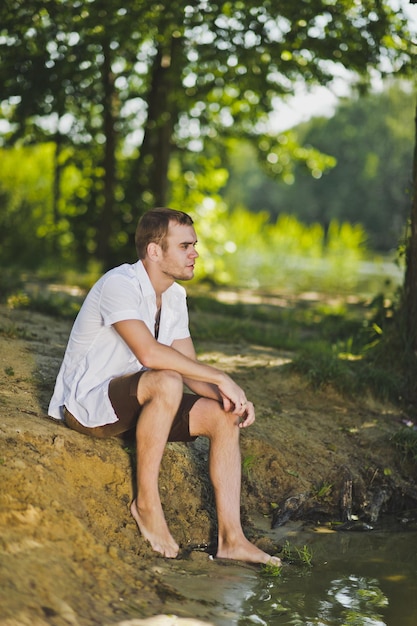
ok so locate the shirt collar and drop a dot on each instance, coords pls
(146, 285)
(144, 280)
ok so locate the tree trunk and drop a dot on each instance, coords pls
(410, 282)
(105, 225)
(153, 163)
(56, 190)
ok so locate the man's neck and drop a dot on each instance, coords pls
(160, 282)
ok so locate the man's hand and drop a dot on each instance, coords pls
(248, 416)
(235, 401)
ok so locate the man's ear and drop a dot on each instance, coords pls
(153, 251)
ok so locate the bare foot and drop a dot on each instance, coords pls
(153, 527)
(244, 550)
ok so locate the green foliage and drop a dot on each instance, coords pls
(25, 219)
(10, 282)
(351, 374)
(60, 304)
(34, 233)
(246, 249)
(405, 441)
(285, 243)
(12, 331)
(376, 358)
(120, 102)
(195, 189)
(389, 355)
(370, 139)
(322, 368)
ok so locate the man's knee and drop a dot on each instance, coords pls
(164, 385)
(209, 419)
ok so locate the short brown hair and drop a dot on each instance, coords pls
(153, 227)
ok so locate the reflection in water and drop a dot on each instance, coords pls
(356, 580)
(352, 600)
(365, 579)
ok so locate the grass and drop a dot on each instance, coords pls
(56, 304)
(356, 347)
(248, 463)
(352, 344)
(290, 327)
(297, 555)
(12, 331)
(322, 491)
(405, 441)
(270, 570)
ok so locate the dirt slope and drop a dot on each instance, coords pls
(69, 550)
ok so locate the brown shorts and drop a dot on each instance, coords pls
(122, 395)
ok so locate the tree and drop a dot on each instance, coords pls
(192, 73)
(58, 83)
(366, 178)
(410, 280)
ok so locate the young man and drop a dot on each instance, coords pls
(128, 358)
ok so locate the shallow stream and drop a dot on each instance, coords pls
(356, 578)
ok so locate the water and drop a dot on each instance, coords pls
(356, 579)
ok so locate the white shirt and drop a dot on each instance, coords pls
(96, 353)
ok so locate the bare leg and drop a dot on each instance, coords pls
(208, 418)
(160, 394)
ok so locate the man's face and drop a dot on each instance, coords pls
(178, 260)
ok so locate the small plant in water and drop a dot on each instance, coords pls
(270, 570)
(294, 554)
(305, 555)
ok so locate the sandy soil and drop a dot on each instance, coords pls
(70, 551)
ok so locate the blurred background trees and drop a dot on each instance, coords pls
(368, 182)
(110, 108)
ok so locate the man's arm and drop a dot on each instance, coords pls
(202, 388)
(157, 356)
(207, 390)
